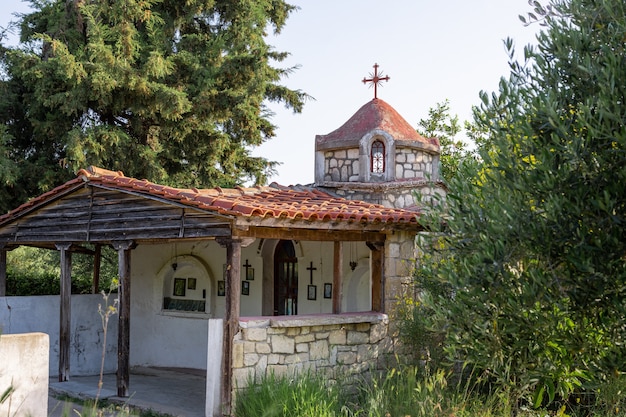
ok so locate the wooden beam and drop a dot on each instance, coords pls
(123, 332)
(310, 234)
(337, 276)
(231, 316)
(377, 274)
(97, 260)
(3, 271)
(65, 311)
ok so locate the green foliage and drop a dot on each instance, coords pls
(445, 127)
(160, 90)
(532, 251)
(32, 271)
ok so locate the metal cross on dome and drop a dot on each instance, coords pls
(375, 80)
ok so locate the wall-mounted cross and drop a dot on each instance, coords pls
(311, 269)
(375, 79)
(246, 265)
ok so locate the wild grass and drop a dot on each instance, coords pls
(309, 395)
(410, 392)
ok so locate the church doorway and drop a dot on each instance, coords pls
(285, 279)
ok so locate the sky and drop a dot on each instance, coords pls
(432, 50)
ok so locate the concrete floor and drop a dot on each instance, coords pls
(175, 392)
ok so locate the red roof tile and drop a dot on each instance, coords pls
(376, 114)
(273, 201)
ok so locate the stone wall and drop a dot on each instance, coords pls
(341, 165)
(413, 163)
(334, 346)
(395, 195)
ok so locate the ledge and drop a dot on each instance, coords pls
(309, 320)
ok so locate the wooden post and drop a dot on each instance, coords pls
(231, 316)
(337, 275)
(65, 311)
(3, 271)
(378, 275)
(97, 259)
(123, 332)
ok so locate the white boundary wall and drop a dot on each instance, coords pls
(41, 314)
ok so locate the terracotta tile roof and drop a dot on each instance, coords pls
(376, 114)
(273, 201)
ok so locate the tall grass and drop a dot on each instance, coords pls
(307, 395)
(408, 392)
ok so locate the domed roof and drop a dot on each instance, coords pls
(374, 115)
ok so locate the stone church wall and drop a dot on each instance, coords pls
(410, 164)
(341, 165)
(413, 164)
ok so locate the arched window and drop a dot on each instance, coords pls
(378, 157)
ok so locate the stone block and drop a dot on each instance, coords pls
(283, 344)
(321, 335)
(256, 335)
(250, 359)
(293, 331)
(378, 332)
(357, 338)
(242, 376)
(362, 327)
(278, 370)
(319, 350)
(260, 368)
(337, 337)
(297, 358)
(305, 339)
(274, 359)
(346, 358)
(394, 250)
(367, 353)
(302, 347)
(263, 348)
(249, 347)
(238, 351)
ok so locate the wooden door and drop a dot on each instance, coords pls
(285, 279)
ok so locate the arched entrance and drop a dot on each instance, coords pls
(285, 279)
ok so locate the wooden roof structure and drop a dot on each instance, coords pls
(102, 206)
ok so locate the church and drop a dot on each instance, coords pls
(246, 281)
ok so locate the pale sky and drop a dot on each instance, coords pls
(432, 50)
